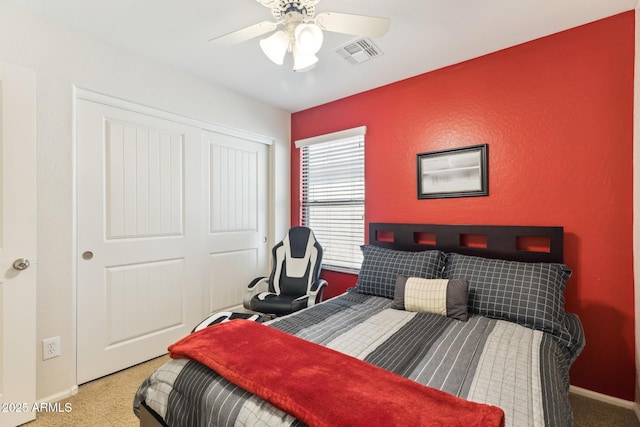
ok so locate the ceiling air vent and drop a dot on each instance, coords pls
(359, 51)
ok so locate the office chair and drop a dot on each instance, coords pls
(294, 282)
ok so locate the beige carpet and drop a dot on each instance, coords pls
(592, 413)
(104, 402)
(108, 402)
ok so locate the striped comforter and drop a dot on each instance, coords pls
(525, 372)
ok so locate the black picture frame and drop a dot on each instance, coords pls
(458, 172)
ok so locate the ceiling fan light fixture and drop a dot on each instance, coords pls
(302, 31)
(275, 46)
(308, 38)
(303, 62)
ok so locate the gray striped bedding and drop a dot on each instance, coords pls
(521, 370)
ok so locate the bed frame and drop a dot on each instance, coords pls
(515, 243)
(149, 418)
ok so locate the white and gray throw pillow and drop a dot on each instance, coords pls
(438, 296)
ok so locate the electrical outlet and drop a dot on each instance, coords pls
(50, 348)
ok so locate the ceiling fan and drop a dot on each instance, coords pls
(301, 32)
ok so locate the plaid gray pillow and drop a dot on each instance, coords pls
(530, 294)
(381, 267)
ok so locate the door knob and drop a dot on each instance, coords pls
(21, 264)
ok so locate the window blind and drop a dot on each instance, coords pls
(332, 189)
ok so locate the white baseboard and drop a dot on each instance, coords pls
(606, 399)
(60, 396)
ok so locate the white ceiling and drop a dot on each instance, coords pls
(425, 35)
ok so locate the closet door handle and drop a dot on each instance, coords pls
(21, 264)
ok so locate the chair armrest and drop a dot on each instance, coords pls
(255, 282)
(257, 285)
(315, 293)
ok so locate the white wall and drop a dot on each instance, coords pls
(61, 60)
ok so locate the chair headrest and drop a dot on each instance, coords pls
(298, 240)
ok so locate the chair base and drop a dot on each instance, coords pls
(225, 316)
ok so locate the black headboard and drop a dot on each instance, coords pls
(510, 242)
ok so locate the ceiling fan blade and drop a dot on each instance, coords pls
(360, 25)
(245, 34)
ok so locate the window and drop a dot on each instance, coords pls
(332, 192)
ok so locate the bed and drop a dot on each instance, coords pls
(475, 313)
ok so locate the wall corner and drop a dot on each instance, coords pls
(636, 205)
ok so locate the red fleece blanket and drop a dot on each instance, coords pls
(323, 387)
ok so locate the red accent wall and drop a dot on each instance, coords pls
(557, 114)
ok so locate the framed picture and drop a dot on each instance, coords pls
(459, 172)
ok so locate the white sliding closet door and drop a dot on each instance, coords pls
(237, 243)
(141, 265)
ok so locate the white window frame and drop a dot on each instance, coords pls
(341, 246)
